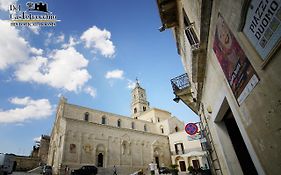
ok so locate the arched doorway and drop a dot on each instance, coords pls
(157, 156)
(180, 161)
(100, 156)
(157, 161)
(100, 160)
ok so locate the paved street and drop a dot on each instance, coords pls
(24, 173)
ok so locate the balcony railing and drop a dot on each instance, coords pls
(186, 151)
(179, 83)
(183, 91)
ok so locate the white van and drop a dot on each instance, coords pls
(7, 164)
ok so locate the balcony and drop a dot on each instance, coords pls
(168, 13)
(182, 89)
(186, 151)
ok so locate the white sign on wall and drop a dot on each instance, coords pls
(263, 25)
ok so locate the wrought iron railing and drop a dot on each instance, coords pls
(192, 38)
(180, 82)
(186, 151)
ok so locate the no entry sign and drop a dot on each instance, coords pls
(191, 128)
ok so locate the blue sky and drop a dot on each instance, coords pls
(92, 57)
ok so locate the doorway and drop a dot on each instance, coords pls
(157, 161)
(238, 143)
(196, 164)
(182, 166)
(100, 160)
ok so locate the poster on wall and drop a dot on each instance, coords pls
(237, 69)
(262, 25)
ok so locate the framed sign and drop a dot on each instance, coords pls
(240, 74)
(263, 25)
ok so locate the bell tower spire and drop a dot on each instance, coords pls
(139, 102)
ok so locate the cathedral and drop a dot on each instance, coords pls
(84, 136)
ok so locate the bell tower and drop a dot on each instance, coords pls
(139, 103)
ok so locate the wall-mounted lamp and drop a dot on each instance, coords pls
(209, 109)
(162, 28)
(176, 99)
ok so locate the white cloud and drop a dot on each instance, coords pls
(52, 38)
(60, 38)
(4, 4)
(131, 84)
(99, 40)
(32, 109)
(37, 139)
(117, 74)
(91, 91)
(14, 48)
(36, 51)
(34, 29)
(71, 42)
(48, 40)
(64, 69)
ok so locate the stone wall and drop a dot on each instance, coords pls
(25, 163)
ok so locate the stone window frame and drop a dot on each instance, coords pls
(72, 148)
(145, 127)
(162, 129)
(86, 116)
(119, 123)
(133, 125)
(103, 120)
(144, 108)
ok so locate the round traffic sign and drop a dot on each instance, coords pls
(191, 128)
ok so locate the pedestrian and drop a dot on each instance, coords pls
(66, 170)
(114, 170)
(152, 168)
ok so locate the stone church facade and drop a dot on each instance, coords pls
(84, 136)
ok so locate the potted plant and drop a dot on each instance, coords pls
(174, 169)
(191, 170)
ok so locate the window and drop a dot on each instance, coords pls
(133, 125)
(190, 33)
(119, 123)
(103, 120)
(179, 148)
(151, 120)
(162, 129)
(72, 148)
(135, 110)
(145, 127)
(158, 119)
(144, 108)
(176, 129)
(86, 116)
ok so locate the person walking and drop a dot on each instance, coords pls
(152, 168)
(114, 170)
(66, 170)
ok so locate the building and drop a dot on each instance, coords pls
(83, 136)
(186, 151)
(231, 54)
(44, 148)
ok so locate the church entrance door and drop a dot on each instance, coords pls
(100, 160)
(157, 161)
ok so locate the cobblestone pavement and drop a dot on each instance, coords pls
(24, 173)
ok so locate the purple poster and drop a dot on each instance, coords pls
(237, 69)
